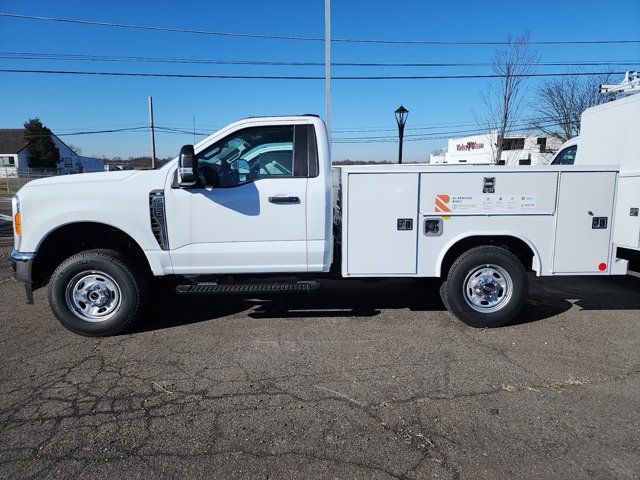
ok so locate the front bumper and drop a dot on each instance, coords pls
(21, 264)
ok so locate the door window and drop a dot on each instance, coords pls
(566, 156)
(248, 155)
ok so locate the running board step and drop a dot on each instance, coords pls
(231, 288)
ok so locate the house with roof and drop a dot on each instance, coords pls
(15, 155)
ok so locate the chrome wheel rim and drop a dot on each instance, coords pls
(93, 296)
(487, 288)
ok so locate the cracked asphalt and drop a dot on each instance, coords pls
(358, 380)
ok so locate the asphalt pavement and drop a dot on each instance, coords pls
(357, 380)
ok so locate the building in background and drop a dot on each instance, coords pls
(14, 156)
(117, 165)
(480, 149)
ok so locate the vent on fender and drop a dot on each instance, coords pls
(158, 218)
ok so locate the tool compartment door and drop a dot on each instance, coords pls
(583, 242)
(382, 224)
(513, 193)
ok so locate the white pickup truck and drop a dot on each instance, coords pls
(250, 209)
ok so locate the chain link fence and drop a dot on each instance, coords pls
(11, 180)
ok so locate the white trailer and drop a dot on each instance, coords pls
(251, 210)
(610, 135)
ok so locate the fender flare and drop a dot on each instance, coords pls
(537, 262)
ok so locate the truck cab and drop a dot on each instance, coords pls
(567, 153)
(260, 203)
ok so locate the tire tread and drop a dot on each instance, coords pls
(452, 295)
(114, 257)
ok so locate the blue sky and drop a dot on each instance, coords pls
(68, 103)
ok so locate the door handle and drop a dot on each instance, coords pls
(284, 199)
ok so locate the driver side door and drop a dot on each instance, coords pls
(248, 212)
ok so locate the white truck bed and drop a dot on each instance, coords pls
(550, 208)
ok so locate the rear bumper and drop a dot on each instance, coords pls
(21, 264)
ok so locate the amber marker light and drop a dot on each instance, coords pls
(17, 224)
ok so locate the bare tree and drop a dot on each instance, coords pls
(503, 98)
(559, 103)
(75, 149)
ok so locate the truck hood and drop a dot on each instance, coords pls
(97, 177)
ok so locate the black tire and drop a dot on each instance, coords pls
(501, 307)
(130, 284)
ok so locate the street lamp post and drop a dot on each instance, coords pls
(401, 118)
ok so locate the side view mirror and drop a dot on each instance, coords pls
(187, 167)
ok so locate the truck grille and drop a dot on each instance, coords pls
(158, 218)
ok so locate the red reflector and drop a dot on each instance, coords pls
(602, 267)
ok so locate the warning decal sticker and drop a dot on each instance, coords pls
(485, 203)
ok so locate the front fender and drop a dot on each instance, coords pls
(122, 204)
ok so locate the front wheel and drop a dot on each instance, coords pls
(97, 292)
(486, 287)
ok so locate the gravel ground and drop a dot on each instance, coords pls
(358, 380)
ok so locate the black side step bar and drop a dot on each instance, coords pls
(239, 288)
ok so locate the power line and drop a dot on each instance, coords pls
(100, 127)
(446, 135)
(168, 129)
(418, 127)
(528, 123)
(347, 140)
(426, 136)
(212, 127)
(113, 130)
(365, 140)
(430, 126)
(157, 28)
(395, 129)
(295, 77)
(85, 132)
(182, 131)
(305, 39)
(202, 61)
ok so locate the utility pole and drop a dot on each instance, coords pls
(327, 66)
(153, 135)
(194, 130)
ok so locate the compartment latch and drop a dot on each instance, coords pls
(599, 223)
(489, 185)
(405, 224)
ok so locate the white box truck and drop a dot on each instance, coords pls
(250, 210)
(610, 135)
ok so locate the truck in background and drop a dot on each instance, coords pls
(610, 135)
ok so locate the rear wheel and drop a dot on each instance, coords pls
(97, 292)
(486, 287)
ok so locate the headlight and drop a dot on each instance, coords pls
(17, 215)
